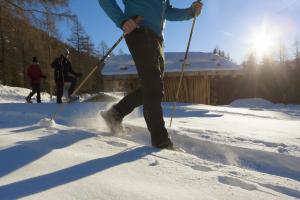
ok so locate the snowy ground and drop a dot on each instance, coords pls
(248, 150)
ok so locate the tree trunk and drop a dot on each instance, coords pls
(2, 48)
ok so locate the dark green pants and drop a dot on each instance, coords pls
(36, 88)
(147, 51)
(60, 87)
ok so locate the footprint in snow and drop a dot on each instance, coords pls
(236, 183)
(201, 168)
(284, 190)
(282, 150)
(117, 144)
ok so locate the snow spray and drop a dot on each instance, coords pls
(47, 123)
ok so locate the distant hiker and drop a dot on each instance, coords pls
(146, 47)
(62, 70)
(34, 74)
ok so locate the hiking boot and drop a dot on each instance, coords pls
(165, 145)
(58, 101)
(28, 99)
(113, 121)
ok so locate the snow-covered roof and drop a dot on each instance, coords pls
(197, 62)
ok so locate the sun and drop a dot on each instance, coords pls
(264, 41)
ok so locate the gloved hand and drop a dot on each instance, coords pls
(129, 26)
(197, 7)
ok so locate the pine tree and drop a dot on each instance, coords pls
(228, 56)
(215, 51)
(219, 52)
(296, 75)
(2, 44)
(222, 54)
(251, 77)
(250, 65)
(29, 28)
(297, 53)
(78, 36)
(17, 34)
(104, 48)
(282, 53)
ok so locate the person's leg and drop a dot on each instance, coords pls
(38, 93)
(147, 52)
(73, 82)
(129, 102)
(33, 91)
(59, 90)
(28, 98)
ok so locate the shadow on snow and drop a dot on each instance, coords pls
(26, 152)
(44, 182)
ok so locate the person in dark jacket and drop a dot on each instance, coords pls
(146, 47)
(34, 75)
(62, 74)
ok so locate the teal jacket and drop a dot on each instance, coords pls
(155, 12)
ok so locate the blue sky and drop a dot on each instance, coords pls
(235, 26)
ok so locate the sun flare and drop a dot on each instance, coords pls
(264, 41)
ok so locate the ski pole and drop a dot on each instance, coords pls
(182, 69)
(137, 20)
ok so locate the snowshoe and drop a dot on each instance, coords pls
(113, 121)
(178, 149)
(28, 100)
(165, 145)
(72, 99)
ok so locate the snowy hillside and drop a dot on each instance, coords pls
(247, 150)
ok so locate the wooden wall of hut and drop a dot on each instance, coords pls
(121, 85)
(194, 89)
(226, 89)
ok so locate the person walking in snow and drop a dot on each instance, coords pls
(34, 75)
(62, 70)
(145, 43)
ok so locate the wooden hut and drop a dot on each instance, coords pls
(120, 75)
